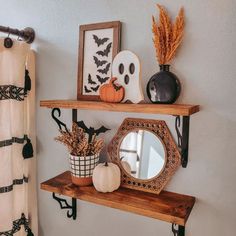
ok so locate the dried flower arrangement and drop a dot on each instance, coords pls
(77, 142)
(167, 36)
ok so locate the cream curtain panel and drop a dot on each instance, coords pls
(18, 199)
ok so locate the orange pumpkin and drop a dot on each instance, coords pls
(112, 92)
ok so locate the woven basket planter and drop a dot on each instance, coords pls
(82, 169)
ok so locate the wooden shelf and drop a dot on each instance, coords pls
(169, 109)
(167, 206)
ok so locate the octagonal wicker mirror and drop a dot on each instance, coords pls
(146, 153)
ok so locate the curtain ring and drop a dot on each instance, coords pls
(8, 41)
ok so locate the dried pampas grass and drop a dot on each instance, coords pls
(167, 36)
(77, 143)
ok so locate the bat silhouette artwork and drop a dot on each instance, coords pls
(99, 41)
(86, 89)
(90, 81)
(105, 70)
(106, 51)
(102, 80)
(92, 132)
(98, 62)
(95, 89)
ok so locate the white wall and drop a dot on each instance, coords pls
(206, 68)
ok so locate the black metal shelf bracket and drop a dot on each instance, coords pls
(178, 230)
(72, 209)
(183, 138)
(59, 123)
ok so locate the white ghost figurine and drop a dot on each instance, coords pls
(127, 69)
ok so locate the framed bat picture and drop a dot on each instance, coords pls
(98, 45)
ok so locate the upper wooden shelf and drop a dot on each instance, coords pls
(172, 109)
(167, 206)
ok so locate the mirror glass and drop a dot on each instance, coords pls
(142, 154)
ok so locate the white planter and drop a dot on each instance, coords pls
(81, 168)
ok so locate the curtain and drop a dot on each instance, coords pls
(18, 198)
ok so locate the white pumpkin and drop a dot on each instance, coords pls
(106, 177)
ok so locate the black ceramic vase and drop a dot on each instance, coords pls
(163, 87)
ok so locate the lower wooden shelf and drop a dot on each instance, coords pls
(167, 206)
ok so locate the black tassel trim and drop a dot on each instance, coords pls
(9, 188)
(12, 92)
(30, 233)
(27, 82)
(17, 226)
(28, 151)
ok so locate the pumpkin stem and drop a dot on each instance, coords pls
(112, 80)
(117, 87)
(106, 164)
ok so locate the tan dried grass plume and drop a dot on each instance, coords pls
(167, 36)
(77, 142)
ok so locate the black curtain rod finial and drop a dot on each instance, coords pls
(27, 34)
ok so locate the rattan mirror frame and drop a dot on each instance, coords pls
(173, 157)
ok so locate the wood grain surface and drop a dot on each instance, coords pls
(167, 206)
(170, 109)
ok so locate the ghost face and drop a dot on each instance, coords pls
(126, 67)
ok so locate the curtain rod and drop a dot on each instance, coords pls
(27, 34)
